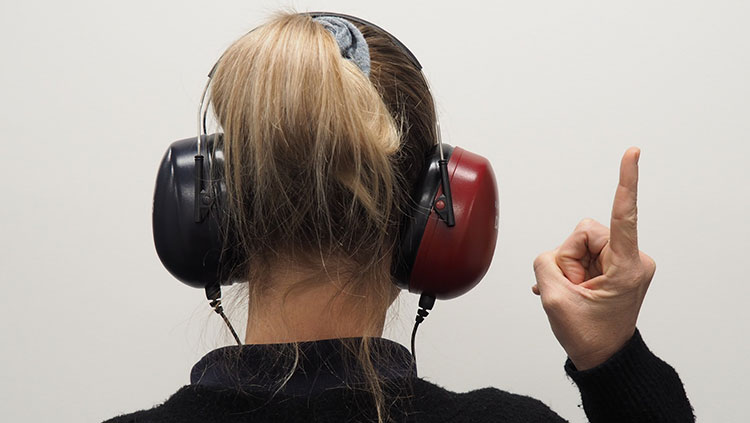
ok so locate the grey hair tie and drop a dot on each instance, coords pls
(351, 42)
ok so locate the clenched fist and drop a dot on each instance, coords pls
(592, 286)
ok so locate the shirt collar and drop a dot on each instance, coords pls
(321, 365)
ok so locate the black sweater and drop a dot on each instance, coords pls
(237, 384)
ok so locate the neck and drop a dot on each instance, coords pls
(295, 307)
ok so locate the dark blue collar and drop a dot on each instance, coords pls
(321, 365)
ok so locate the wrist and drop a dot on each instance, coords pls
(593, 358)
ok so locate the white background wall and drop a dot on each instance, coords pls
(552, 92)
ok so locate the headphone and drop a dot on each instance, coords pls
(447, 239)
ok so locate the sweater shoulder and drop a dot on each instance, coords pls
(426, 402)
(487, 404)
(188, 404)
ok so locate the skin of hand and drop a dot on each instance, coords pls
(592, 285)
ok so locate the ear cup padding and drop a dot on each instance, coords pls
(452, 260)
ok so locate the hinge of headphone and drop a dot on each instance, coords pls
(440, 207)
(443, 205)
(202, 199)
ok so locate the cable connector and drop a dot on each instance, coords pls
(213, 293)
(426, 302)
(421, 314)
(216, 305)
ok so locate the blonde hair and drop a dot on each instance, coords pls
(319, 159)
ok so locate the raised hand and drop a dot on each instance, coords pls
(592, 285)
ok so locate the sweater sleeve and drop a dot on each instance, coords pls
(634, 385)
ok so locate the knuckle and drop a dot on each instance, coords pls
(539, 262)
(586, 223)
(648, 263)
(634, 282)
(628, 218)
(542, 259)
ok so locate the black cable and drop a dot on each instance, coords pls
(426, 302)
(216, 305)
(421, 314)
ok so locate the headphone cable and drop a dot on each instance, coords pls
(426, 301)
(216, 305)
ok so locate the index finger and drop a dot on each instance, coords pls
(624, 225)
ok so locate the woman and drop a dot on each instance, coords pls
(322, 143)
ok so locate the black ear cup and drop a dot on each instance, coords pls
(192, 251)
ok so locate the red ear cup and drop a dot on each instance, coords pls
(452, 260)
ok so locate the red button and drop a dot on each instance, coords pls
(440, 204)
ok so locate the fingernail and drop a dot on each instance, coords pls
(637, 156)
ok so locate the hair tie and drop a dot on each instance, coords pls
(351, 42)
